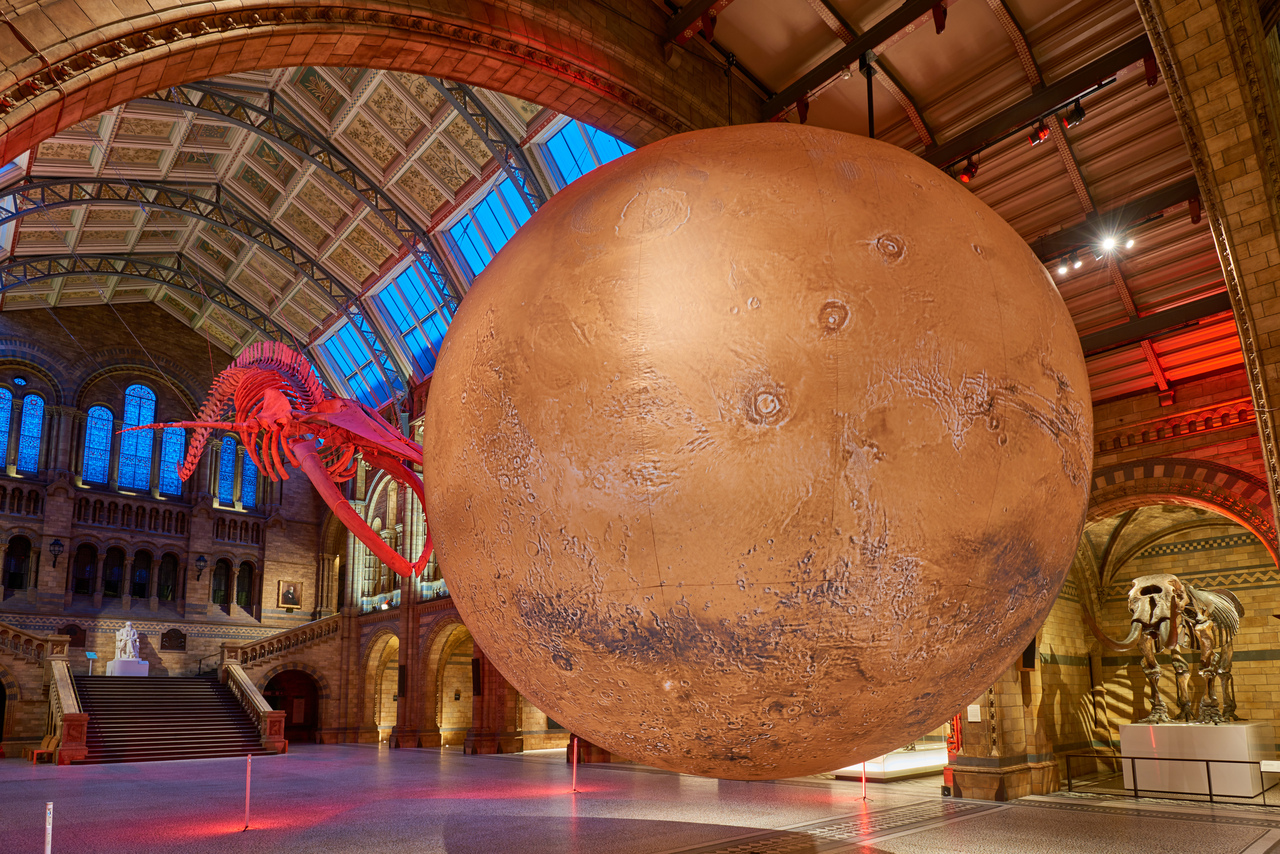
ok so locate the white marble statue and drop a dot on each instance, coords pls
(127, 642)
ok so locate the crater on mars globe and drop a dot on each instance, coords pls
(758, 452)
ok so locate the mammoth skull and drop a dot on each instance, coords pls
(1156, 603)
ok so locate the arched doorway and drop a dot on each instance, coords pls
(17, 561)
(296, 693)
(381, 688)
(453, 687)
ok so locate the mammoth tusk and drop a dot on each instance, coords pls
(1167, 634)
(1135, 631)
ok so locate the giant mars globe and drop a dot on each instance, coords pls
(758, 452)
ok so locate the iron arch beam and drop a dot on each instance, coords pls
(501, 144)
(225, 209)
(39, 268)
(283, 124)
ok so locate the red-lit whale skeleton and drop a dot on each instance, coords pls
(280, 406)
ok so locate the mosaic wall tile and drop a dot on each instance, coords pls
(389, 107)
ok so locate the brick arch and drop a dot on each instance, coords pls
(323, 691)
(1237, 495)
(164, 382)
(611, 72)
(27, 363)
(431, 653)
(370, 656)
(12, 696)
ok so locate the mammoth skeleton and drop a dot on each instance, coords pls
(1168, 615)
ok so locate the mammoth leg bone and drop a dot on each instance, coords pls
(1228, 682)
(1151, 668)
(1210, 661)
(1182, 681)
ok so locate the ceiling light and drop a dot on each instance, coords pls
(847, 72)
(1108, 243)
(1074, 116)
(970, 169)
(1038, 134)
(1128, 244)
(1062, 266)
(1075, 261)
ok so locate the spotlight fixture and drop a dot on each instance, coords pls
(1128, 244)
(1076, 263)
(1108, 243)
(846, 73)
(1074, 116)
(1038, 134)
(970, 169)
(1062, 266)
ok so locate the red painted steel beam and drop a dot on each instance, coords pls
(694, 16)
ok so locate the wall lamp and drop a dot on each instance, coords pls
(201, 563)
(55, 549)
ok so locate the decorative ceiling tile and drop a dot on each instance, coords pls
(208, 133)
(130, 295)
(269, 271)
(97, 215)
(426, 194)
(307, 301)
(259, 186)
(471, 144)
(45, 238)
(427, 96)
(81, 281)
(152, 129)
(348, 198)
(394, 112)
(12, 300)
(80, 298)
(382, 228)
(99, 238)
(49, 215)
(371, 141)
(212, 253)
(228, 240)
(370, 247)
(159, 217)
(267, 159)
(222, 337)
(322, 94)
(322, 204)
(134, 156)
(151, 236)
(65, 151)
(170, 301)
(187, 298)
(304, 225)
(195, 160)
(349, 78)
(526, 109)
(347, 261)
(300, 323)
(446, 165)
(245, 282)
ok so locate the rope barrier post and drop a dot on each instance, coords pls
(248, 767)
(48, 827)
(575, 763)
(864, 781)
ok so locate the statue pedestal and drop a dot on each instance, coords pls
(128, 667)
(1162, 743)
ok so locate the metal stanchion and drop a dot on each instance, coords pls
(248, 767)
(48, 827)
(575, 763)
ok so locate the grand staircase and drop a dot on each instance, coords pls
(144, 719)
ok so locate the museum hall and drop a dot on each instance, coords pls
(640, 426)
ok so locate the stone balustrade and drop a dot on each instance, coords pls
(290, 639)
(70, 721)
(269, 721)
(29, 645)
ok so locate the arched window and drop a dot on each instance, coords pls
(82, 574)
(17, 562)
(167, 583)
(6, 412)
(29, 436)
(113, 572)
(244, 585)
(97, 445)
(227, 471)
(136, 445)
(173, 445)
(221, 578)
(248, 481)
(140, 587)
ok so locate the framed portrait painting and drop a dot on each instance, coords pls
(290, 595)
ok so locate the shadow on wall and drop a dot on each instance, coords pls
(148, 652)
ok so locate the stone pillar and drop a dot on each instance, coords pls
(1213, 57)
(409, 705)
(97, 579)
(4, 567)
(495, 715)
(66, 430)
(113, 467)
(126, 582)
(15, 428)
(1007, 754)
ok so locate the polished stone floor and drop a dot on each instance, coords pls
(351, 798)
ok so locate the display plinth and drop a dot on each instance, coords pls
(128, 667)
(1159, 744)
(898, 765)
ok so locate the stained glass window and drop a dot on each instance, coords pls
(97, 445)
(136, 445)
(173, 444)
(577, 149)
(487, 226)
(6, 411)
(248, 481)
(227, 471)
(349, 356)
(29, 435)
(420, 320)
